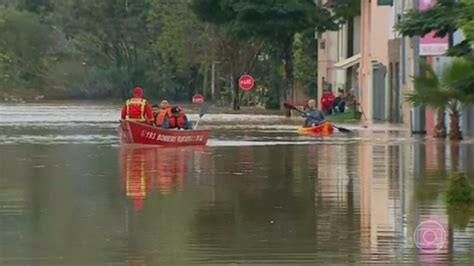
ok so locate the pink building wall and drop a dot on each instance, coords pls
(375, 32)
(327, 57)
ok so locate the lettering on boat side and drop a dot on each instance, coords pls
(171, 139)
(192, 138)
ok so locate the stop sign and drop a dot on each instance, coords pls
(246, 82)
(198, 98)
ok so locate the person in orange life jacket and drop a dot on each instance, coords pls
(165, 118)
(180, 117)
(156, 111)
(137, 109)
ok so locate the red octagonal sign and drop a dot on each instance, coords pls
(246, 82)
(198, 99)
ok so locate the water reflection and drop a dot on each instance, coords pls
(146, 170)
(341, 200)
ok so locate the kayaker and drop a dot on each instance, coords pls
(180, 117)
(313, 115)
(165, 118)
(137, 109)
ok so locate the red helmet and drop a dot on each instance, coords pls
(138, 92)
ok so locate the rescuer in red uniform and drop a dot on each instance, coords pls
(138, 109)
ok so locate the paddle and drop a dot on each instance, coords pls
(290, 106)
(204, 110)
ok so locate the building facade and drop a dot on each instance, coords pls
(368, 56)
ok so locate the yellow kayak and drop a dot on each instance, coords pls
(323, 129)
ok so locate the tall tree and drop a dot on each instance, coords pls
(273, 22)
(185, 46)
(110, 34)
(25, 48)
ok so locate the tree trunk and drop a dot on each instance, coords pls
(440, 128)
(441, 157)
(454, 156)
(235, 93)
(205, 82)
(124, 91)
(289, 75)
(455, 130)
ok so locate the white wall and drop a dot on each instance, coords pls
(357, 35)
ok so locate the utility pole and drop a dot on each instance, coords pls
(418, 113)
(213, 81)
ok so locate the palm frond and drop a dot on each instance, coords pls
(458, 78)
(456, 84)
(427, 89)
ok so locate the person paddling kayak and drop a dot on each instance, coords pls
(313, 115)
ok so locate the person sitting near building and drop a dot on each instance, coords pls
(351, 99)
(165, 118)
(313, 115)
(137, 109)
(327, 101)
(180, 118)
(339, 104)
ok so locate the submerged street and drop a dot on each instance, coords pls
(258, 193)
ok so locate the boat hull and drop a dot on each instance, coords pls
(323, 129)
(137, 133)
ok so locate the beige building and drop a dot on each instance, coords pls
(368, 55)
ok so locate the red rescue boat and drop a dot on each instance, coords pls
(137, 133)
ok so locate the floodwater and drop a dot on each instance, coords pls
(70, 194)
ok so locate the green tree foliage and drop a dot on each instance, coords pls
(184, 46)
(344, 10)
(36, 6)
(273, 22)
(460, 190)
(110, 35)
(466, 23)
(305, 64)
(26, 49)
(103, 48)
(443, 19)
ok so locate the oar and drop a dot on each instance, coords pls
(204, 109)
(290, 106)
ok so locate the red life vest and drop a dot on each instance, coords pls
(136, 109)
(160, 118)
(181, 119)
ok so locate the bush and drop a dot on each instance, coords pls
(460, 190)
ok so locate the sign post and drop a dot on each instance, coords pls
(198, 99)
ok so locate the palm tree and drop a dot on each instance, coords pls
(455, 87)
(425, 87)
